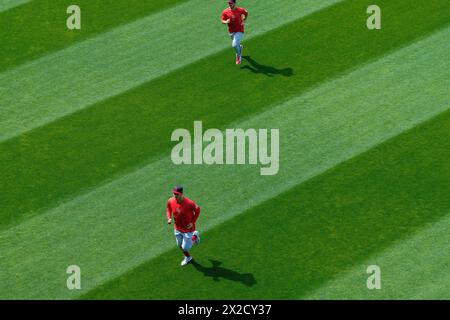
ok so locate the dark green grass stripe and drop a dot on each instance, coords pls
(80, 151)
(297, 241)
(39, 27)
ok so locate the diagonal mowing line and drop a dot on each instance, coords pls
(9, 4)
(38, 28)
(120, 225)
(71, 79)
(85, 149)
(403, 273)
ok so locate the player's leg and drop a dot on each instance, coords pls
(178, 238)
(187, 242)
(196, 237)
(233, 42)
(236, 43)
(186, 246)
(232, 37)
(238, 38)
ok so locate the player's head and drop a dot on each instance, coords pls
(232, 3)
(178, 193)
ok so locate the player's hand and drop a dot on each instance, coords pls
(189, 226)
(226, 21)
(169, 221)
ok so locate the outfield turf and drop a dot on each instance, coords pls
(8, 4)
(90, 143)
(405, 275)
(85, 124)
(293, 243)
(38, 27)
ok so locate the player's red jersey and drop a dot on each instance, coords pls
(235, 17)
(183, 213)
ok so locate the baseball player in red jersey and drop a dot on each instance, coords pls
(235, 18)
(185, 213)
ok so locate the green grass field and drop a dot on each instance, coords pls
(364, 175)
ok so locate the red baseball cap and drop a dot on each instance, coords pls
(177, 190)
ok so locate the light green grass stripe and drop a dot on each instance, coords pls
(71, 79)
(121, 224)
(404, 275)
(8, 4)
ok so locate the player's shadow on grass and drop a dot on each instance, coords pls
(216, 272)
(256, 67)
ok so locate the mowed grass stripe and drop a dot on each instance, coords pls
(114, 62)
(9, 4)
(295, 242)
(39, 27)
(414, 268)
(122, 223)
(87, 148)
